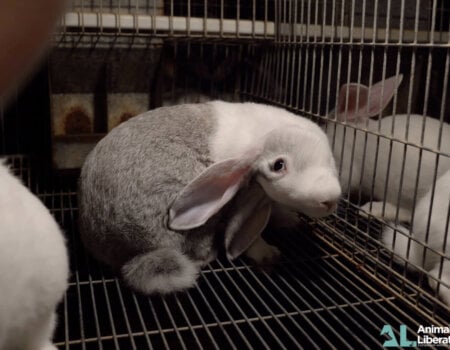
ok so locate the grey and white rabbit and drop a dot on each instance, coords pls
(398, 175)
(162, 192)
(359, 154)
(33, 268)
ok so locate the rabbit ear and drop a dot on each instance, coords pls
(369, 104)
(209, 192)
(251, 215)
(347, 109)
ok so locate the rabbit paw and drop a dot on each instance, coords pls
(262, 253)
(390, 211)
(49, 346)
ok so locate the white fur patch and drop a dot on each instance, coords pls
(262, 253)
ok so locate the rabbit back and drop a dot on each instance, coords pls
(133, 175)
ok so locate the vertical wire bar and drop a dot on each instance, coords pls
(285, 58)
(314, 60)
(2, 130)
(266, 18)
(294, 306)
(293, 48)
(406, 136)
(391, 142)
(125, 315)
(202, 321)
(275, 300)
(334, 271)
(94, 304)
(353, 131)
(243, 295)
(356, 336)
(300, 66)
(158, 323)
(442, 260)
(75, 272)
(188, 19)
(332, 277)
(66, 321)
(141, 320)
(310, 308)
(307, 46)
(221, 18)
(174, 325)
(236, 304)
(408, 113)
(322, 58)
(110, 314)
(273, 61)
(422, 136)
(216, 318)
(438, 146)
(188, 321)
(224, 308)
(90, 282)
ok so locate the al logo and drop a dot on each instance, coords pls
(393, 342)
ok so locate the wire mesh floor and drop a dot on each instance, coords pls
(314, 297)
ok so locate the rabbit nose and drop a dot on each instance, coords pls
(329, 205)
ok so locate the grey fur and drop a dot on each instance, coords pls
(133, 175)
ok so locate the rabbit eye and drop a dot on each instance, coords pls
(279, 165)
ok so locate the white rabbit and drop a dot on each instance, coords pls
(163, 192)
(33, 268)
(418, 167)
(435, 238)
(355, 106)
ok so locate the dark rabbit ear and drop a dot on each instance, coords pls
(209, 192)
(356, 103)
(243, 230)
(251, 213)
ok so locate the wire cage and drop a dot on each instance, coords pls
(338, 284)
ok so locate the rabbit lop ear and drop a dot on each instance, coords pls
(356, 103)
(210, 191)
(250, 216)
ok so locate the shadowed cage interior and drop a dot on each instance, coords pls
(336, 284)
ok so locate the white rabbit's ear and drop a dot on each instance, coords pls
(249, 219)
(209, 192)
(362, 103)
(350, 103)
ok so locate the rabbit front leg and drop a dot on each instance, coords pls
(262, 253)
(38, 337)
(390, 211)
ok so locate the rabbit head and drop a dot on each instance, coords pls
(295, 167)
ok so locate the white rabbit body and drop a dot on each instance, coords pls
(163, 191)
(436, 238)
(33, 268)
(398, 184)
(398, 171)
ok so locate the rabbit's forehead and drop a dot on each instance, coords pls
(298, 142)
